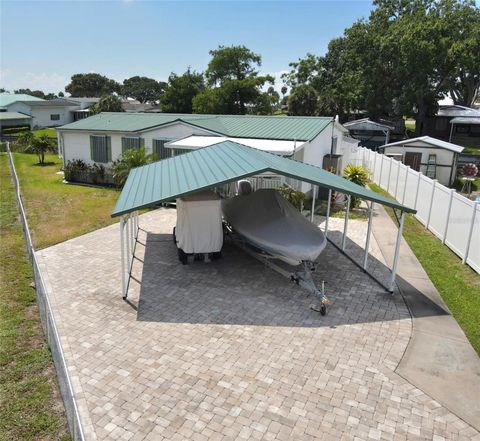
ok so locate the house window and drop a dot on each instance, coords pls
(160, 150)
(54, 117)
(131, 143)
(100, 148)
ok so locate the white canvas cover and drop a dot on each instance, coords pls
(199, 223)
(269, 222)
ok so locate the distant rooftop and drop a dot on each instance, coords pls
(434, 142)
(455, 110)
(300, 128)
(5, 116)
(8, 98)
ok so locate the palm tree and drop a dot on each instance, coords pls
(131, 158)
(39, 145)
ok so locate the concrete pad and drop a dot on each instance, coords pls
(439, 360)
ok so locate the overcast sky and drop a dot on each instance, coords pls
(44, 43)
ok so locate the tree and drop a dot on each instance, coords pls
(61, 94)
(233, 70)
(130, 159)
(210, 101)
(40, 145)
(180, 91)
(91, 85)
(303, 101)
(107, 103)
(143, 89)
(36, 93)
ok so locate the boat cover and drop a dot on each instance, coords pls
(269, 222)
(199, 223)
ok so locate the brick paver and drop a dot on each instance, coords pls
(230, 350)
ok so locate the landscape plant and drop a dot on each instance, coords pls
(40, 146)
(130, 159)
(358, 175)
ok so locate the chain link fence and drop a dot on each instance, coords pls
(48, 321)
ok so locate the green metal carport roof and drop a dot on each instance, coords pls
(219, 164)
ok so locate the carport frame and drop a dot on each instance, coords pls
(252, 162)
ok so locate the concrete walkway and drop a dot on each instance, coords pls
(439, 360)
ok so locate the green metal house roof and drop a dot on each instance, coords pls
(9, 98)
(219, 164)
(301, 128)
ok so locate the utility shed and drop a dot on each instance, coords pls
(220, 164)
(433, 157)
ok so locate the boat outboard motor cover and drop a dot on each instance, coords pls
(199, 223)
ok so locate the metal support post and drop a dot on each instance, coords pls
(313, 203)
(397, 251)
(345, 225)
(328, 211)
(122, 252)
(369, 232)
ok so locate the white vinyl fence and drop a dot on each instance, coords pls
(454, 219)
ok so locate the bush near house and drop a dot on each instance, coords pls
(78, 170)
(358, 175)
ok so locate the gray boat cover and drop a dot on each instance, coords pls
(269, 222)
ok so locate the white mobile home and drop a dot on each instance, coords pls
(433, 157)
(102, 138)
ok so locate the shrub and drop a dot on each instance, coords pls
(295, 197)
(358, 175)
(130, 159)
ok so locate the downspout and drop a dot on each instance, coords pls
(451, 132)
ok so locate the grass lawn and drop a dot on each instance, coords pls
(410, 124)
(30, 405)
(472, 150)
(57, 211)
(458, 284)
(51, 133)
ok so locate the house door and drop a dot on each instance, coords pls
(413, 160)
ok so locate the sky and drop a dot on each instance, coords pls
(43, 43)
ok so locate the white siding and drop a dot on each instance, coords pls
(76, 145)
(41, 116)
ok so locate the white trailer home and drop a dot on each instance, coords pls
(102, 138)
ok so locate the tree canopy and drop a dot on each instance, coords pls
(36, 93)
(237, 87)
(399, 62)
(91, 85)
(143, 89)
(107, 103)
(180, 91)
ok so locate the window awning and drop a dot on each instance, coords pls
(280, 147)
(219, 164)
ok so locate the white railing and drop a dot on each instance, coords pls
(48, 321)
(453, 218)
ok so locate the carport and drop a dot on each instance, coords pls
(226, 162)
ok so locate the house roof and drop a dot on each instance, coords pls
(433, 142)
(465, 120)
(57, 102)
(455, 110)
(302, 128)
(9, 98)
(280, 147)
(219, 164)
(367, 124)
(5, 116)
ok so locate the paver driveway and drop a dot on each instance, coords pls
(230, 350)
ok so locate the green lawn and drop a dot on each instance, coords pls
(458, 284)
(30, 405)
(58, 211)
(472, 150)
(50, 132)
(410, 124)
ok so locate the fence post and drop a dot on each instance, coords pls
(374, 166)
(381, 170)
(389, 175)
(444, 238)
(470, 232)
(398, 176)
(407, 172)
(418, 188)
(434, 183)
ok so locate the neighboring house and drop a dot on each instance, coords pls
(371, 134)
(434, 158)
(13, 119)
(102, 138)
(456, 124)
